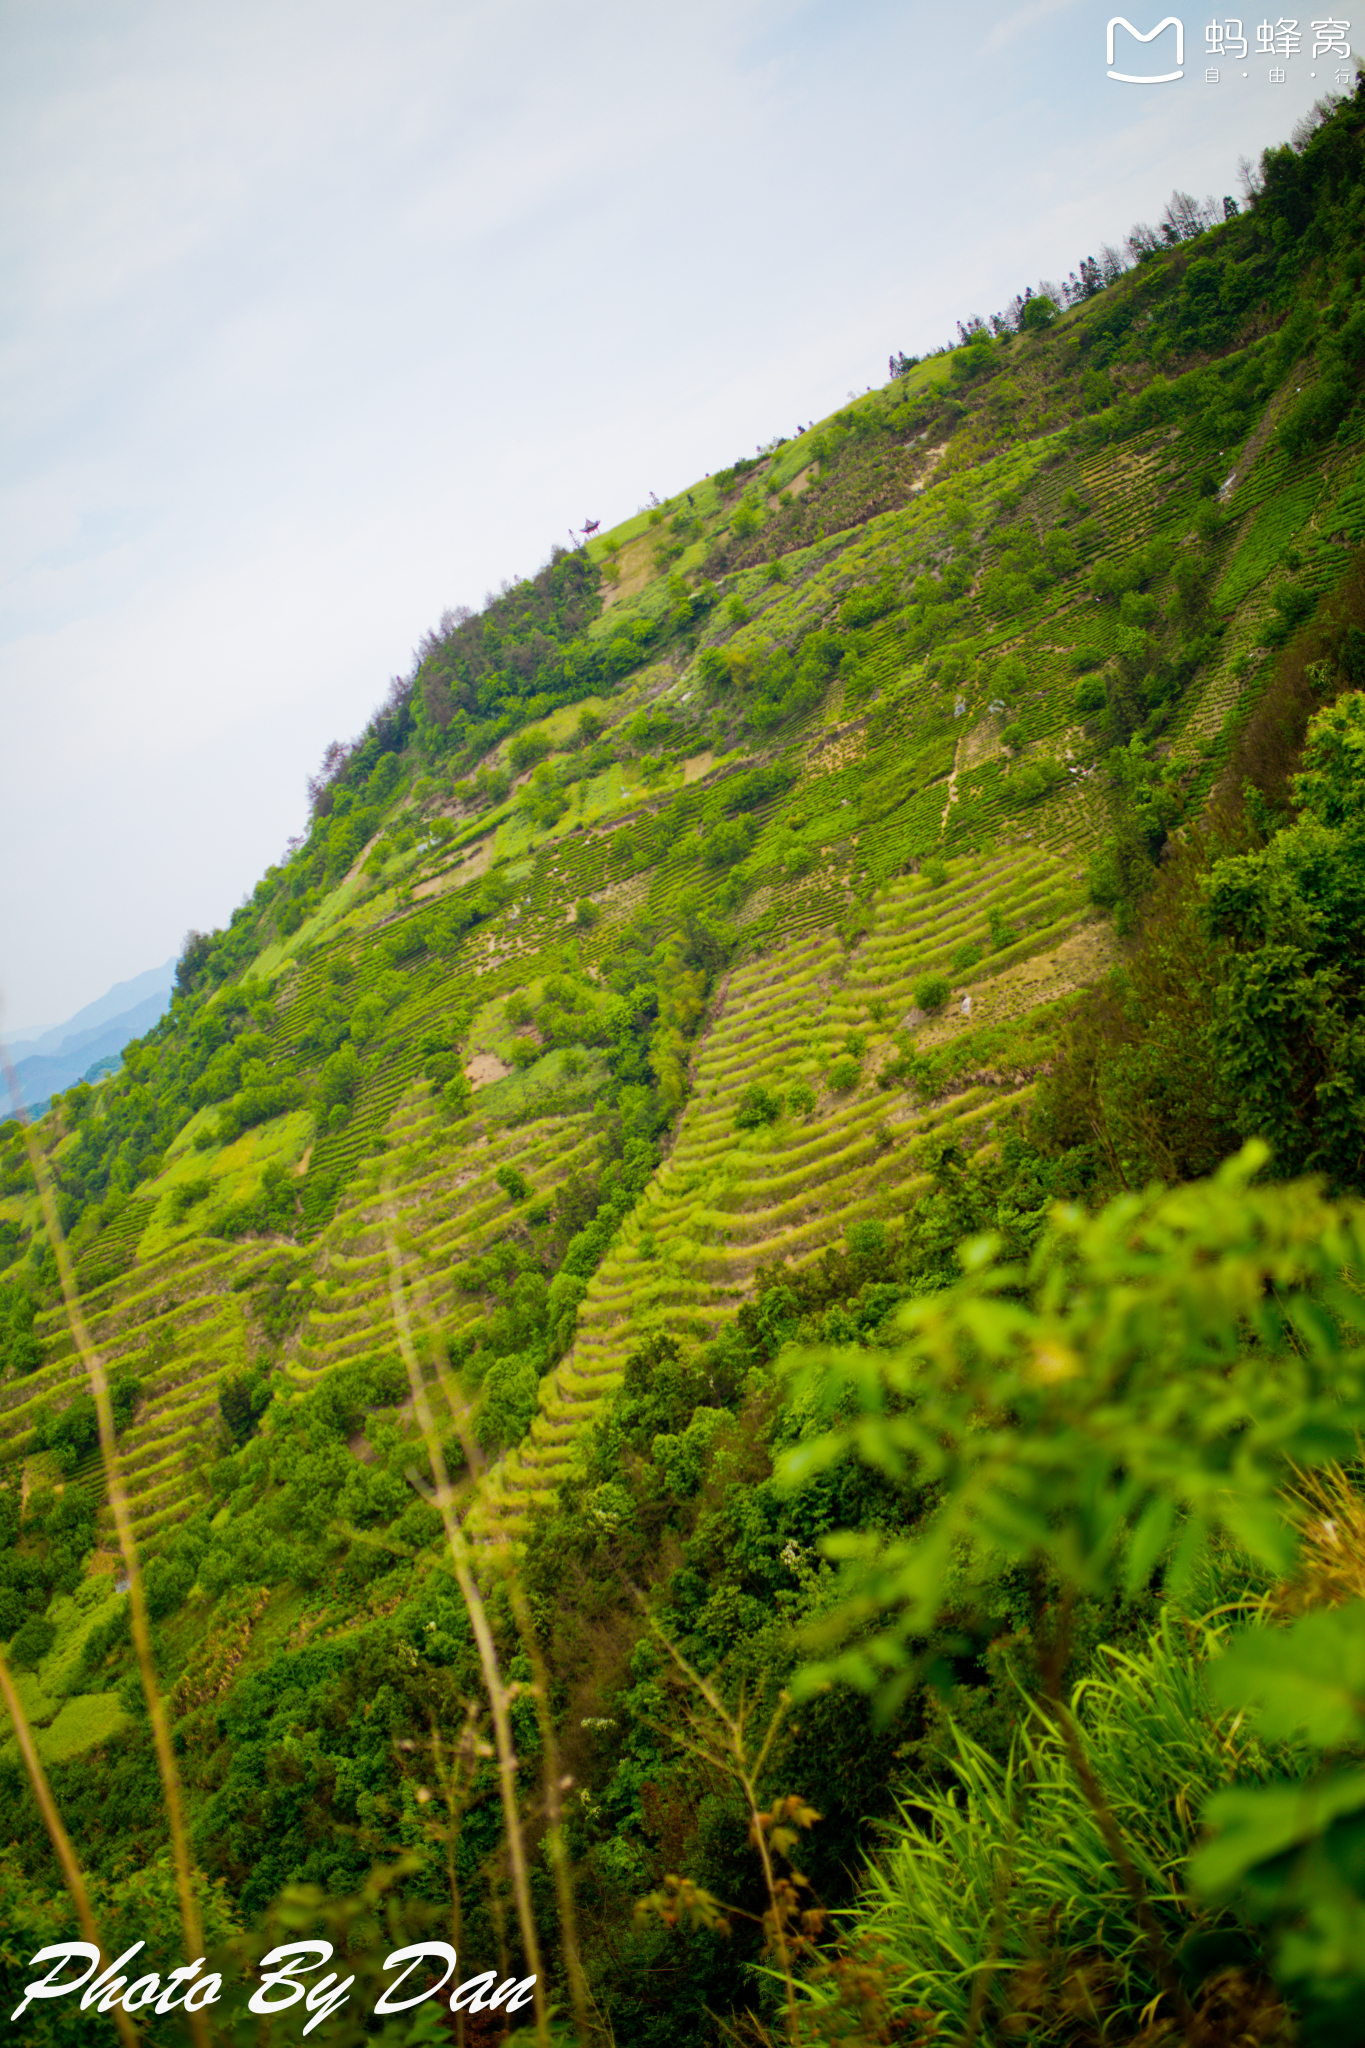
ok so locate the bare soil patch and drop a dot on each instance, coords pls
(1079, 960)
(636, 563)
(982, 743)
(475, 863)
(932, 459)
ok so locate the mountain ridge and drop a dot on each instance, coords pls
(61, 1055)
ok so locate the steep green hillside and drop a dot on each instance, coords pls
(678, 923)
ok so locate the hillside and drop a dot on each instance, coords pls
(667, 937)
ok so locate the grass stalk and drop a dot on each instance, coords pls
(449, 1777)
(498, 1696)
(731, 1757)
(554, 1782)
(61, 1842)
(552, 1775)
(191, 1922)
(984, 1979)
(1163, 1967)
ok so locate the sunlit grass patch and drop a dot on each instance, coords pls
(220, 1179)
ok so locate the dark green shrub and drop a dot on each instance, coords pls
(242, 1399)
(509, 1399)
(728, 842)
(339, 1079)
(527, 748)
(187, 1194)
(713, 667)
(32, 1643)
(757, 1106)
(867, 1239)
(514, 1185)
(866, 603)
(1293, 604)
(1316, 415)
(21, 1352)
(1033, 780)
(932, 992)
(366, 1017)
(75, 1431)
(801, 1098)
(167, 1582)
(935, 872)
(844, 1074)
(406, 943)
(774, 778)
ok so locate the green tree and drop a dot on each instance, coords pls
(32, 1642)
(1145, 1386)
(757, 1107)
(21, 1350)
(339, 1079)
(1289, 1031)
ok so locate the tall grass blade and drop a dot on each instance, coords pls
(61, 1842)
(498, 1700)
(552, 1775)
(190, 1919)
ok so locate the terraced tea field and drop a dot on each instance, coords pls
(727, 1202)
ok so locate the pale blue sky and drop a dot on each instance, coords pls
(318, 318)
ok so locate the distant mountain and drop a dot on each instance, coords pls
(113, 1004)
(93, 1037)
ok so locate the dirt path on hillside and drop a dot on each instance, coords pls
(1253, 447)
(952, 793)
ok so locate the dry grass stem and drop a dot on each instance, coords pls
(61, 1841)
(1163, 1965)
(552, 1774)
(190, 1919)
(1329, 1508)
(730, 1757)
(498, 1697)
(556, 1843)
